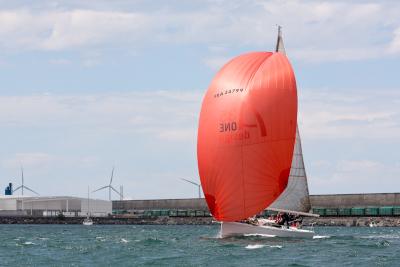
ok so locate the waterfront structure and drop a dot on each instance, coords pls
(378, 204)
(53, 206)
(355, 200)
(157, 204)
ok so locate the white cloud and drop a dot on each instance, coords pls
(178, 135)
(57, 30)
(166, 115)
(324, 114)
(395, 44)
(215, 63)
(361, 114)
(357, 176)
(35, 159)
(315, 30)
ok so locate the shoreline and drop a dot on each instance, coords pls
(379, 221)
(163, 220)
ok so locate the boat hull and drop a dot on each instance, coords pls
(87, 222)
(235, 228)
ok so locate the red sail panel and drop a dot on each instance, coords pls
(246, 135)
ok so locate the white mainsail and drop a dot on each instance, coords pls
(296, 196)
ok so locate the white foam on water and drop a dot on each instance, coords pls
(123, 240)
(254, 246)
(276, 246)
(263, 235)
(321, 236)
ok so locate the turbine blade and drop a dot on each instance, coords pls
(115, 190)
(101, 188)
(190, 181)
(112, 175)
(19, 187)
(31, 190)
(22, 175)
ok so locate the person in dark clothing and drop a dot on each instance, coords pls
(283, 219)
(286, 219)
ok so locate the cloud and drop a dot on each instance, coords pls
(139, 128)
(357, 176)
(178, 135)
(215, 63)
(316, 31)
(395, 44)
(162, 114)
(361, 114)
(33, 159)
(58, 30)
(173, 115)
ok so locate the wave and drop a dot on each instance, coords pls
(276, 246)
(255, 246)
(321, 236)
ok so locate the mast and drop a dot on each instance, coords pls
(88, 205)
(279, 42)
(296, 195)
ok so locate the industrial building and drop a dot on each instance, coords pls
(53, 206)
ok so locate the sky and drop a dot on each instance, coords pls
(88, 85)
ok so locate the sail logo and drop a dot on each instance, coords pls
(243, 129)
(228, 127)
(229, 91)
(232, 131)
(259, 123)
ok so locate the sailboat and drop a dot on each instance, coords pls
(249, 149)
(88, 221)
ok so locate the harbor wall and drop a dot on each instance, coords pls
(317, 201)
(355, 200)
(153, 204)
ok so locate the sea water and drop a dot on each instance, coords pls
(184, 245)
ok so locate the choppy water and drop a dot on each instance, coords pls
(76, 245)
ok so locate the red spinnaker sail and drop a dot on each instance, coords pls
(246, 134)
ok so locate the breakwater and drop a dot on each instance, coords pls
(164, 220)
(108, 220)
(353, 221)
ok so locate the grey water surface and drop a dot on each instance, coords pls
(188, 245)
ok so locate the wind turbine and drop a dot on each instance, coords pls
(23, 186)
(109, 186)
(193, 183)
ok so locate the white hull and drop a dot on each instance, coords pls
(87, 222)
(235, 228)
